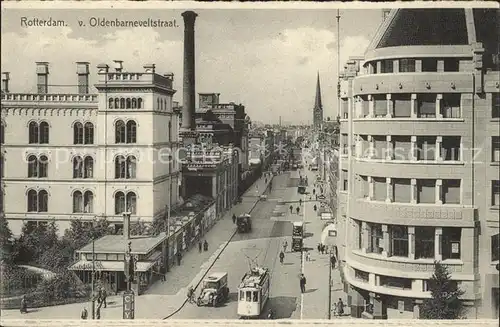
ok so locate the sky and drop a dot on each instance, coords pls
(265, 59)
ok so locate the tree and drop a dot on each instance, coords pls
(81, 233)
(7, 253)
(139, 228)
(445, 302)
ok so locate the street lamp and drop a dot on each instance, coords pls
(330, 266)
(92, 233)
(167, 209)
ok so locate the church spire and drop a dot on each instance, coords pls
(317, 103)
(318, 107)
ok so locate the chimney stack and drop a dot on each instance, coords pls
(118, 65)
(82, 70)
(126, 225)
(188, 109)
(42, 72)
(5, 82)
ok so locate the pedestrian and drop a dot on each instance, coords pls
(314, 191)
(340, 307)
(319, 247)
(98, 313)
(334, 261)
(315, 208)
(322, 249)
(300, 202)
(298, 210)
(334, 309)
(205, 245)
(84, 314)
(200, 246)
(302, 283)
(285, 245)
(282, 257)
(178, 257)
(99, 295)
(24, 305)
(234, 218)
(163, 273)
(291, 208)
(104, 295)
(308, 256)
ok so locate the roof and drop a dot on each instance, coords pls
(254, 277)
(118, 244)
(298, 223)
(217, 275)
(109, 265)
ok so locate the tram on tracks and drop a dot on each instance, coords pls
(253, 293)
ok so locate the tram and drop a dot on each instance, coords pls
(253, 293)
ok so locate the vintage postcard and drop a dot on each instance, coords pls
(197, 163)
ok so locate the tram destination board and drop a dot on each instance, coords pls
(128, 305)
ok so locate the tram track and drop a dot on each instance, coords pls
(219, 254)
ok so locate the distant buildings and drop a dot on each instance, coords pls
(419, 162)
(86, 156)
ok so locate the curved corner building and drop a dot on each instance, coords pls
(419, 162)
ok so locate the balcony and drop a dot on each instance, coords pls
(412, 214)
(49, 98)
(407, 168)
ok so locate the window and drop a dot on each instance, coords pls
(345, 181)
(117, 103)
(110, 103)
(495, 247)
(88, 166)
(83, 202)
(78, 133)
(77, 202)
(129, 103)
(126, 203)
(379, 147)
(359, 230)
(495, 105)
(365, 106)
(450, 105)
(402, 147)
(139, 103)
(125, 168)
(424, 242)
(380, 105)
(399, 241)
(249, 296)
(376, 239)
(450, 242)
(495, 193)
(131, 167)
(451, 65)
(242, 295)
(33, 133)
(429, 65)
(450, 148)
(395, 282)
(495, 149)
(402, 105)
(37, 201)
(401, 190)
(427, 105)
(77, 167)
(255, 296)
(131, 131)
(361, 275)
(89, 133)
(387, 66)
(44, 133)
(37, 167)
(125, 133)
(406, 65)
(379, 188)
(122, 103)
(120, 132)
(134, 103)
(2, 133)
(426, 147)
(451, 191)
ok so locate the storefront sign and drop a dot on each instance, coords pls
(128, 305)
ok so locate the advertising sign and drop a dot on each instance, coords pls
(128, 305)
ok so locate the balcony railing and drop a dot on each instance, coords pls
(34, 97)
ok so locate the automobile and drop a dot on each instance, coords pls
(214, 290)
(244, 223)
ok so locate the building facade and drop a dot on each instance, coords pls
(419, 162)
(87, 156)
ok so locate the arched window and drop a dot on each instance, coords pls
(2, 133)
(134, 103)
(139, 103)
(89, 133)
(43, 166)
(120, 167)
(88, 167)
(77, 202)
(119, 203)
(120, 132)
(32, 166)
(32, 201)
(44, 133)
(131, 131)
(117, 103)
(111, 102)
(33, 132)
(78, 133)
(129, 103)
(131, 203)
(131, 167)
(77, 167)
(122, 103)
(88, 202)
(43, 201)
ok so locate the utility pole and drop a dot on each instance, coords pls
(93, 273)
(330, 286)
(167, 209)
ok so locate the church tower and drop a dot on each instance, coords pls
(318, 107)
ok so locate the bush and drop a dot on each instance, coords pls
(17, 280)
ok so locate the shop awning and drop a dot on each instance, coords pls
(86, 265)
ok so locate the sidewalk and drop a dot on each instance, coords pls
(161, 299)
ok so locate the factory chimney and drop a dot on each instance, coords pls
(5, 82)
(189, 94)
(82, 70)
(42, 72)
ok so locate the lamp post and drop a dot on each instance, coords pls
(167, 209)
(330, 285)
(92, 233)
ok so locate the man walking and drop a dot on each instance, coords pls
(303, 283)
(84, 314)
(104, 295)
(298, 210)
(200, 246)
(234, 218)
(282, 257)
(291, 208)
(285, 245)
(334, 261)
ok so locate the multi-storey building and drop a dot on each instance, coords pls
(419, 161)
(87, 156)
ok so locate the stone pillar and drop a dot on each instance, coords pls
(371, 188)
(439, 97)
(439, 193)
(413, 191)
(388, 184)
(371, 105)
(189, 93)
(413, 148)
(395, 65)
(214, 187)
(379, 67)
(416, 309)
(440, 66)
(390, 106)
(414, 106)
(387, 242)
(378, 306)
(364, 236)
(390, 149)
(371, 279)
(372, 147)
(437, 243)
(418, 65)
(439, 154)
(411, 242)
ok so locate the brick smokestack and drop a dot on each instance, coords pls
(82, 70)
(42, 72)
(189, 94)
(5, 82)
